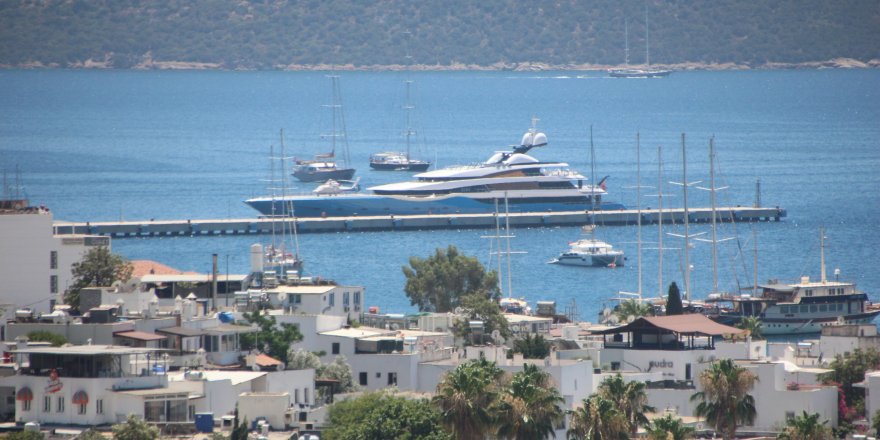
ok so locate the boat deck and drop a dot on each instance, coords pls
(247, 226)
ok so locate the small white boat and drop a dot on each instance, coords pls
(332, 187)
(591, 252)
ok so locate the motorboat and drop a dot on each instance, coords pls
(528, 184)
(332, 187)
(397, 161)
(591, 252)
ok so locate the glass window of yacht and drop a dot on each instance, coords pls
(814, 308)
(805, 309)
(808, 292)
(823, 308)
(783, 309)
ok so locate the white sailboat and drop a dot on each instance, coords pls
(323, 166)
(633, 72)
(591, 252)
(279, 260)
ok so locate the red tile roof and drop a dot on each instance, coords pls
(149, 267)
(264, 360)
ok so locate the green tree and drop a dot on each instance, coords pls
(597, 419)
(805, 427)
(25, 435)
(753, 325)
(381, 415)
(532, 347)
(270, 338)
(849, 369)
(725, 401)
(340, 371)
(46, 336)
(135, 428)
(464, 397)
(632, 308)
(302, 360)
(97, 268)
(669, 428)
(630, 398)
(479, 308)
(438, 283)
(91, 434)
(529, 407)
(673, 301)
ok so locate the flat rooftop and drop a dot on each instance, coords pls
(88, 350)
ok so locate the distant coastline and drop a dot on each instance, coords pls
(837, 63)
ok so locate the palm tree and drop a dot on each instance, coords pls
(805, 427)
(529, 407)
(464, 398)
(668, 427)
(753, 325)
(632, 308)
(724, 401)
(630, 398)
(597, 419)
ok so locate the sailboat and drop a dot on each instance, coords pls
(508, 304)
(633, 72)
(400, 161)
(323, 166)
(279, 261)
(591, 251)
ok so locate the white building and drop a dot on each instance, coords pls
(315, 298)
(34, 263)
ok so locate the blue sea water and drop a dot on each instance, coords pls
(105, 145)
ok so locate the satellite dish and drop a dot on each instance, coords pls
(613, 320)
(282, 296)
(496, 335)
(606, 312)
(630, 319)
(459, 310)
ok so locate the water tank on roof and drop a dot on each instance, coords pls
(226, 317)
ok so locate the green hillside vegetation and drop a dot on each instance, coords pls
(277, 34)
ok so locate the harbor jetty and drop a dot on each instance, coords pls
(264, 225)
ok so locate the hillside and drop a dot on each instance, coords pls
(279, 34)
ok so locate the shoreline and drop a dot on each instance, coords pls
(837, 63)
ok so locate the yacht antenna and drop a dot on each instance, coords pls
(660, 219)
(626, 42)
(647, 43)
(592, 180)
(758, 192)
(755, 263)
(407, 105)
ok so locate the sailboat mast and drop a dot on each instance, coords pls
(712, 199)
(639, 208)
(822, 252)
(660, 220)
(687, 266)
(647, 41)
(626, 42)
(755, 263)
(498, 244)
(507, 233)
(592, 179)
(408, 108)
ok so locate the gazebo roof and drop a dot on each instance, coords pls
(691, 324)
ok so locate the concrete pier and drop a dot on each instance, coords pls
(191, 227)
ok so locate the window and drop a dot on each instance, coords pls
(334, 348)
(25, 405)
(362, 378)
(165, 410)
(297, 299)
(378, 375)
(345, 297)
(296, 395)
(81, 408)
(814, 308)
(392, 379)
(789, 415)
(357, 298)
(99, 406)
(53, 283)
(192, 412)
(783, 309)
(823, 308)
(53, 259)
(332, 299)
(306, 396)
(60, 404)
(47, 403)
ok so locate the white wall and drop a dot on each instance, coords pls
(268, 405)
(293, 382)
(25, 245)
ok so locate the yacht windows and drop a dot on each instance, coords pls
(814, 308)
(805, 309)
(823, 308)
(783, 309)
(808, 292)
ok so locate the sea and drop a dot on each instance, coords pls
(95, 145)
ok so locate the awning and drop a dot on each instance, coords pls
(81, 398)
(24, 395)
(140, 336)
(266, 361)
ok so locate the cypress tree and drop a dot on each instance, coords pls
(673, 301)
